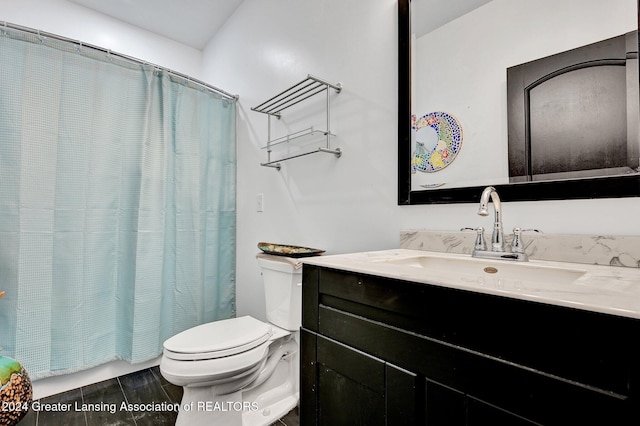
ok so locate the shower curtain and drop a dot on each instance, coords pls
(117, 205)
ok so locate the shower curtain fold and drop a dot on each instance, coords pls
(117, 207)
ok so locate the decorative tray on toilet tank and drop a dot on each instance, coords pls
(288, 250)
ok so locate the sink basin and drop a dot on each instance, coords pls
(482, 271)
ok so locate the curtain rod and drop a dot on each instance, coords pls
(8, 25)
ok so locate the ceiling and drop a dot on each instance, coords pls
(191, 22)
(195, 22)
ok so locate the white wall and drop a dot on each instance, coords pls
(347, 204)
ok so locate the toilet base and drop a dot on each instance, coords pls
(259, 404)
(205, 409)
(271, 414)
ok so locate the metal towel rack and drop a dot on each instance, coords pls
(295, 94)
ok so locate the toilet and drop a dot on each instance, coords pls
(242, 371)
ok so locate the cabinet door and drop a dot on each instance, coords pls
(449, 407)
(404, 394)
(308, 378)
(481, 414)
(444, 406)
(350, 386)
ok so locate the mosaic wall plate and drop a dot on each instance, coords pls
(438, 139)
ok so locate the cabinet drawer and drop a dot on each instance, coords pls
(592, 349)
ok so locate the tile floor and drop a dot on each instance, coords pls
(141, 387)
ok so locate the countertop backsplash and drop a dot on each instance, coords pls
(587, 249)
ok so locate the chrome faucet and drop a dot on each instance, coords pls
(517, 245)
(497, 238)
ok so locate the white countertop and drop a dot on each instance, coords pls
(605, 289)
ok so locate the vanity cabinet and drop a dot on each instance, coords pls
(382, 351)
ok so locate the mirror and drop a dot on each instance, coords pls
(471, 93)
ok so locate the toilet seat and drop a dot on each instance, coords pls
(218, 339)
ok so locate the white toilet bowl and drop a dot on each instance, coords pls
(244, 373)
(240, 371)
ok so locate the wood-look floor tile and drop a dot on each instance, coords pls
(103, 402)
(292, 418)
(30, 419)
(173, 392)
(143, 387)
(67, 414)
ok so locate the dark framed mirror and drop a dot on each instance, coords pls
(626, 184)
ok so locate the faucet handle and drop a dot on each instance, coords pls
(480, 243)
(517, 245)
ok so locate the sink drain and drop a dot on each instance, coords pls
(490, 270)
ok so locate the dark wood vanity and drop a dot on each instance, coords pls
(382, 351)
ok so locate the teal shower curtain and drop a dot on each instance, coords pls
(117, 205)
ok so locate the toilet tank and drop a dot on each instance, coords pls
(282, 278)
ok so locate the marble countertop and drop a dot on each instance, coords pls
(604, 289)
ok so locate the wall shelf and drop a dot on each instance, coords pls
(295, 94)
(291, 137)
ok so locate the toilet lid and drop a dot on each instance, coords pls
(218, 339)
